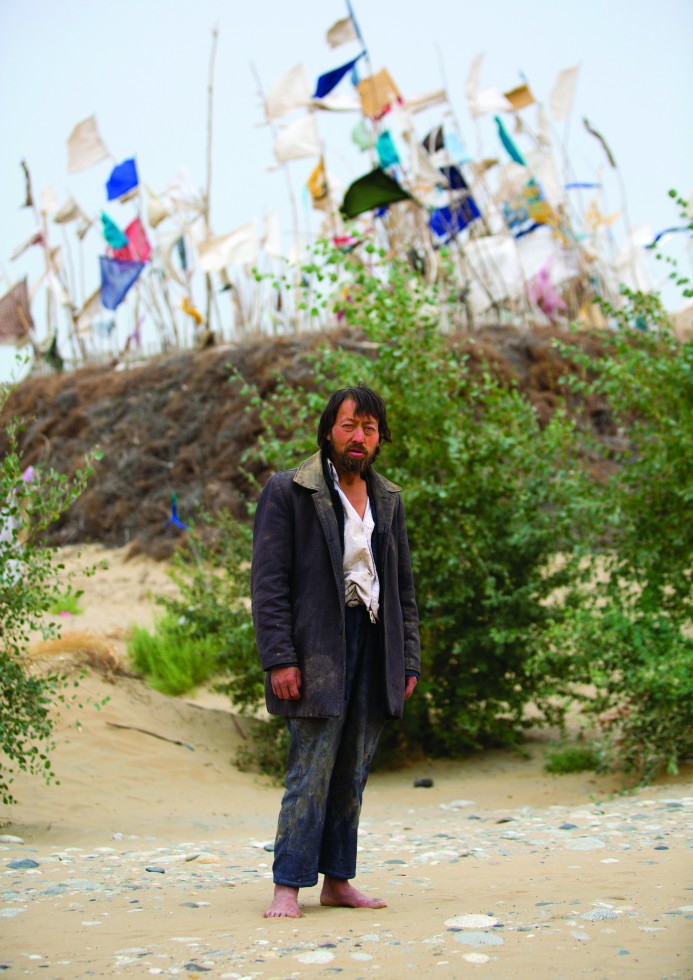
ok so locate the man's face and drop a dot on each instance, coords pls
(353, 440)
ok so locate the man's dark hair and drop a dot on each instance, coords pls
(367, 402)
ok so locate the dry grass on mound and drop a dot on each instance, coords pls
(81, 649)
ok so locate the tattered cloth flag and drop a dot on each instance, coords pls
(605, 146)
(138, 248)
(112, 233)
(331, 79)
(519, 97)
(378, 92)
(447, 223)
(116, 279)
(239, 247)
(317, 185)
(123, 179)
(298, 140)
(84, 146)
(35, 238)
(291, 91)
(187, 307)
(563, 93)
(15, 315)
(434, 141)
(508, 143)
(374, 190)
(386, 150)
(341, 32)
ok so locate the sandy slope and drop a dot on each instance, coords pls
(561, 878)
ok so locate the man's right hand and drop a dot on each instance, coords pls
(286, 683)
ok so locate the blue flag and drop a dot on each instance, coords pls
(123, 179)
(447, 223)
(116, 279)
(331, 79)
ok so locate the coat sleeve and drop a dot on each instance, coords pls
(410, 613)
(271, 575)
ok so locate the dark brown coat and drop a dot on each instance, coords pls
(297, 586)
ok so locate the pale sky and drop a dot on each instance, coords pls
(141, 66)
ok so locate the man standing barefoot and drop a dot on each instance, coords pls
(337, 632)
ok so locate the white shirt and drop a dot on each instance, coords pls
(360, 576)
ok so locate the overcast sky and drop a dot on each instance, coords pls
(141, 66)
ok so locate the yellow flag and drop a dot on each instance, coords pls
(187, 307)
(317, 184)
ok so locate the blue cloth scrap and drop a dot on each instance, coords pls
(123, 179)
(116, 279)
(331, 79)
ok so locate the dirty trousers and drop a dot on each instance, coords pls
(327, 769)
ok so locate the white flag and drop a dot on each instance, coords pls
(298, 140)
(91, 309)
(237, 248)
(70, 211)
(271, 241)
(341, 32)
(562, 93)
(427, 100)
(84, 146)
(291, 91)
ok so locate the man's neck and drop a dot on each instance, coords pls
(347, 479)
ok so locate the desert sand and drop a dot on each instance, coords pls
(153, 855)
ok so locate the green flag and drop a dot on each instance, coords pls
(373, 190)
(112, 233)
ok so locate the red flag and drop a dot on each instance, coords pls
(138, 249)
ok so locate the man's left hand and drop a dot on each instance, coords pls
(409, 685)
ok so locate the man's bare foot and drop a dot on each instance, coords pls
(340, 894)
(284, 903)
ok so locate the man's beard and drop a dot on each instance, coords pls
(352, 464)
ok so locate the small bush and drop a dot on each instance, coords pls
(172, 661)
(580, 757)
(66, 602)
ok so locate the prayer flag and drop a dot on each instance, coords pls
(156, 209)
(341, 32)
(601, 139)
(562, 93)
(116, 279)
(434, 141)
(378, 92)
(15, 315)
(271, 240)
(187, 307)
(112, 233)
(508, 143)
(417, 103)
(239, 247)
(332, 78)
(91, 309)
(48, 203)
(386, 150)
(84, 146)
(374, 190)
(70, 211)
(299, 139)
(35, 238)
(123, 179)
(138, 248)
(519, 97)
(317, 184)
(447, 223)
(362, 135)
(291, 91)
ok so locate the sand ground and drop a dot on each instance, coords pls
(151, 857)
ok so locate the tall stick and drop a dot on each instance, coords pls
(208, 188)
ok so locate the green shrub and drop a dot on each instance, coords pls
(579, 757)
(30, 577)
(490, 497)
(172, 661)
(629, 634)
(66, 602)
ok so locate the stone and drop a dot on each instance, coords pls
(23, 864)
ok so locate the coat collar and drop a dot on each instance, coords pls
(309, 475)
